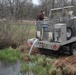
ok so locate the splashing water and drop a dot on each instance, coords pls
(35, 41)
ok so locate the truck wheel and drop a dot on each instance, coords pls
(69, 33)
(73, 49)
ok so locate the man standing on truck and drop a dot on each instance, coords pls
(40, 16)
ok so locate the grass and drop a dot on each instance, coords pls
(39, 70)
(17, 33)
(25, 67)
(32, 31)
(40, 65)
(10, 55)
(54, 71)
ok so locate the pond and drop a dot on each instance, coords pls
(10, 69)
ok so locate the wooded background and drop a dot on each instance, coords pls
(26, 10)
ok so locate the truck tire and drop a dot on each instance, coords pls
(69, 33)
(73, 49)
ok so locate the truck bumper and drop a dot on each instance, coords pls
(48, 45)
(45, 44)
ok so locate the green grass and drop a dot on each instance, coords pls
(40, 65)
(32, 31)
(25, 67)
(39, 70)
(33, 27)
(10, 55)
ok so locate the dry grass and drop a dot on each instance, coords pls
(16, 33)
(67, 65)
(25, 22)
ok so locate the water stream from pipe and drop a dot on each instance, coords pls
(35, 41)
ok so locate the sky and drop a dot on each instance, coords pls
(36, 2)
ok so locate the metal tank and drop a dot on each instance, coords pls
(46, 28)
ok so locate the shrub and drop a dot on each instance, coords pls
(10, 55)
